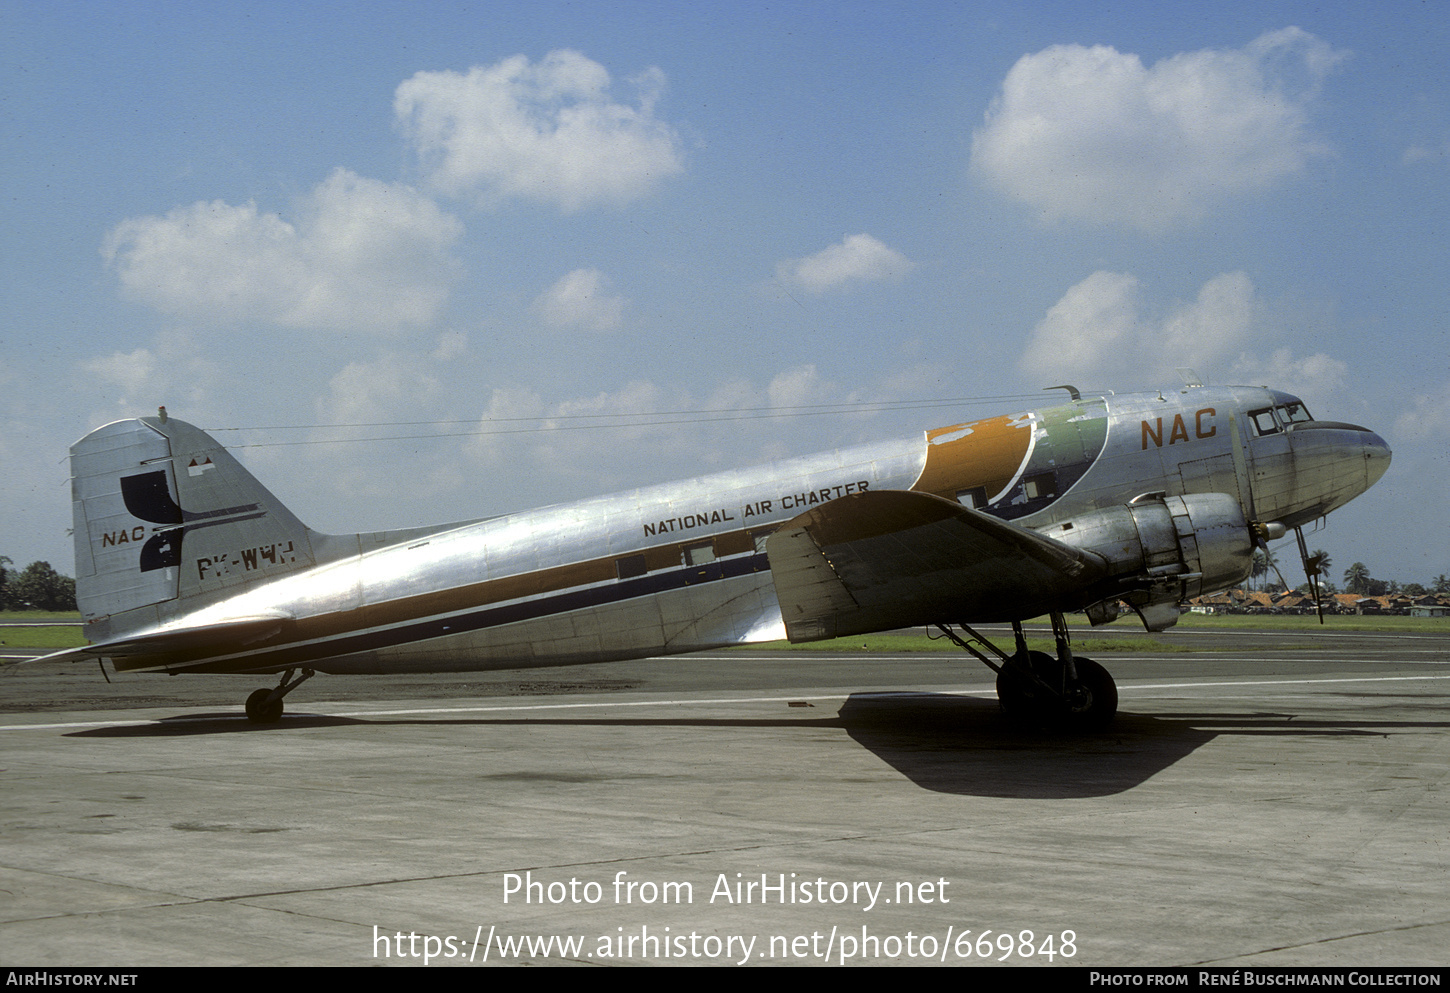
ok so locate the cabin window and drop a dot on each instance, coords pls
(630, 566)
(760, 536)
(701, 554)
(976, 497)
(1040, 486)
(733, 543)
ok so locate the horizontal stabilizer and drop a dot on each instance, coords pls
(176, 646)
(892, 558)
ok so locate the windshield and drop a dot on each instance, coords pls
(1269, 420)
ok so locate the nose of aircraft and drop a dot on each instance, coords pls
(1334, 463)
(1376, 457)
(1375, 450)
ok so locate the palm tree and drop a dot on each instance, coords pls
(1260, 566)
(1356, 578)
(1265, 563)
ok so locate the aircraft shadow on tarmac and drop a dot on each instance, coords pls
(941, 742)
(952, 744)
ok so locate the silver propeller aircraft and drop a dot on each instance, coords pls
(185, 563)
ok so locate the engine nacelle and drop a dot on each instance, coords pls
(1200, 540)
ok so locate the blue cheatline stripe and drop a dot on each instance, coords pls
(488, 617)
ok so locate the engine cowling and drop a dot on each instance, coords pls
(1184, 545)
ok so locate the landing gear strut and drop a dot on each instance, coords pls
(1071, 692)
(265, 706)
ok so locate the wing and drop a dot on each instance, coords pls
(891, 558)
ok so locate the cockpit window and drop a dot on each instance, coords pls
(1264, 422)
(1293, 413)
(1272, 419)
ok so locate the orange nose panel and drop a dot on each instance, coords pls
(987, 454)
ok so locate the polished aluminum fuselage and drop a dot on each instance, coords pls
(681, 567)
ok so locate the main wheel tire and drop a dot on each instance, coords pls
(260, 711)
(1092, 703)
(1020, 697)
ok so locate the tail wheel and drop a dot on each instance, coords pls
(261, 709)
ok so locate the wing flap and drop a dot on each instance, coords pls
(891, 558)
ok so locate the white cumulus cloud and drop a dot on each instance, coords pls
(361, 254)
(1427, 419)
(1094, 320)
(1428, 152)
(799, 387)
(171, 372)
(1319, 379)
(858, 258)
(616, 438)
(548, 131)
(581, 300)
(129, 373)
(1093, 134)
(396, 386)
(396, 394)
(1103, 329)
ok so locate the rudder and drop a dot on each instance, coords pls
(167, 521)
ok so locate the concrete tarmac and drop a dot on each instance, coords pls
(1262, 800)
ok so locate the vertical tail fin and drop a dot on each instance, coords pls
(166, 521)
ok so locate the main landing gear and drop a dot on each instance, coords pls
(1066, 691)
(265, 706)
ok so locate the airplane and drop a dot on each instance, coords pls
(186, 564)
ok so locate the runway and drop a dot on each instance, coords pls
(1261, 800)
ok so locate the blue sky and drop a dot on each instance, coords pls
(499, 218)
